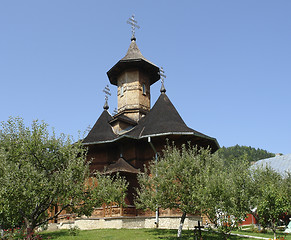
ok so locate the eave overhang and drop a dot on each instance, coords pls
(140, 64)
(121, 166)
(213, 140)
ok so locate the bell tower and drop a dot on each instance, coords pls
(133, 75)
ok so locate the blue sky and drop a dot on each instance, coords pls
(228, 63)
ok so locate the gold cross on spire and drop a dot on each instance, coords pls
(134, 25)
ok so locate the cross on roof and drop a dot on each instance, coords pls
(134, 25)
(163, 76)
(106, 90)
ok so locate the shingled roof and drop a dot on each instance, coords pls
(133, 59)
(120, 166)
(163, 118)
(102, 130)
(133, 53)
(123, 118)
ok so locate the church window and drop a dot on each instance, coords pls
(143, 89)
(121, 91)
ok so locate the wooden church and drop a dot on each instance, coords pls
(137, 132)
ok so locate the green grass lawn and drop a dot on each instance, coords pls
(135, 234)
(269, 234)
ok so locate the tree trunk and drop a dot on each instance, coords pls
(181, 224)
(29, 233)
(254, 214)
(274, 230)
(29, 229)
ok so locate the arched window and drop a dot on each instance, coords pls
(144, 89)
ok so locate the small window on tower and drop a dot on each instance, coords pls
(144, 89)
(121, 91)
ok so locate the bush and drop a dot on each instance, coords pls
(17, 234)
(74, 231)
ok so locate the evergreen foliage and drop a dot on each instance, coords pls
(237, 153)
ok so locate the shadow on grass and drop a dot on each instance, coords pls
(55, 234)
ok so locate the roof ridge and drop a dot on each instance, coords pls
(163, 117)
(101, 130)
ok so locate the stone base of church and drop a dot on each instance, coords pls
(128, 222)
(127, 217)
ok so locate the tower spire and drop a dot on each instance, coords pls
(134, 25)
(133, 75)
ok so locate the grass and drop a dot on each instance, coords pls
(133, 234)
(269, 234)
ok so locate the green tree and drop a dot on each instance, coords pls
(39, 171)
(194, 181)
(225, 195)
(287, 185)
(270, 196)
(238, 153)
(106, 189)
